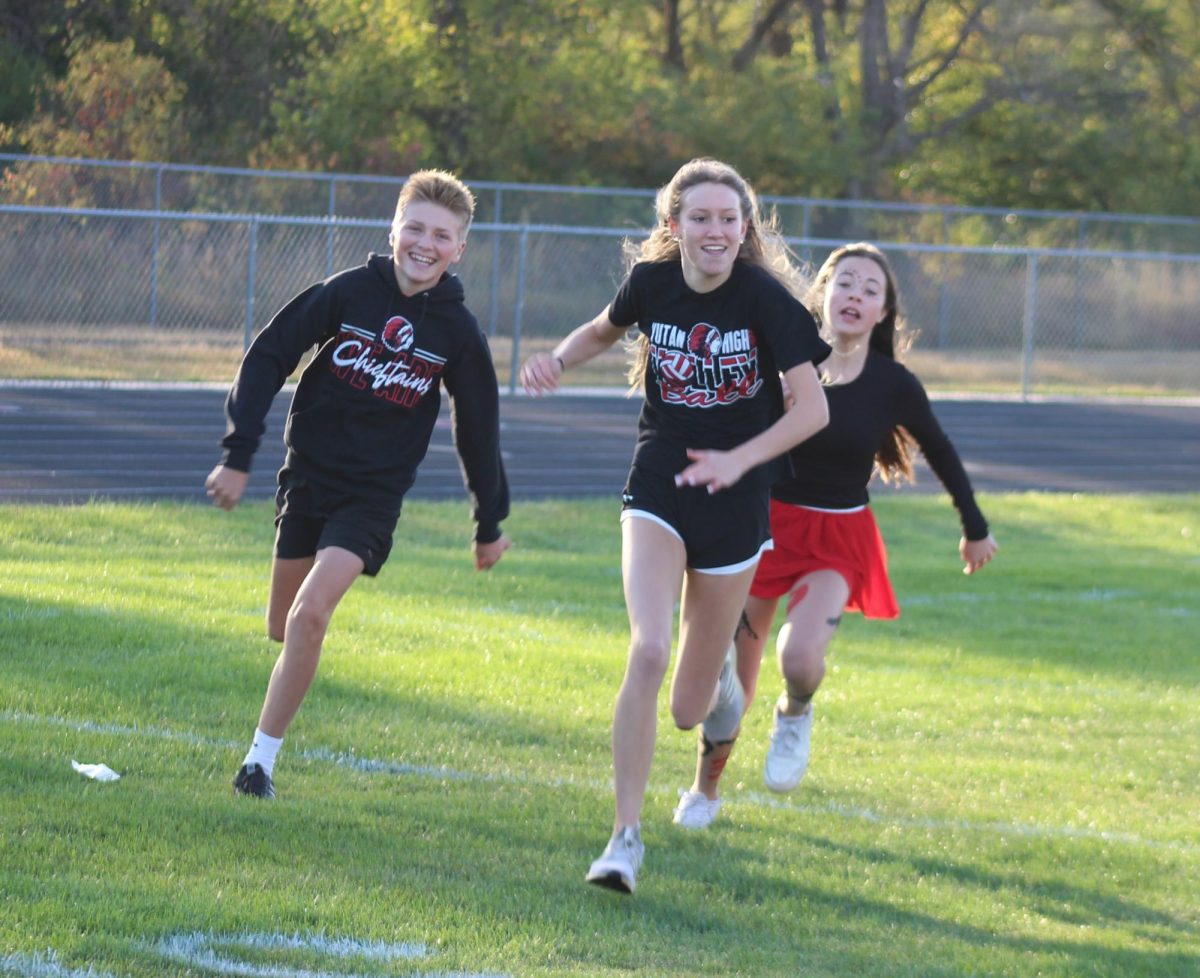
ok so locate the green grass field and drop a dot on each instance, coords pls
(1006, 781)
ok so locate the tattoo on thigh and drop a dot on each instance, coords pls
(744, 626)
(834, 622)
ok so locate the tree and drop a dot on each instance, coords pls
(540, 91)
(1039, 103)
(113, 104)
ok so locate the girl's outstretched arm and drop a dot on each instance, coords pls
(541, 373)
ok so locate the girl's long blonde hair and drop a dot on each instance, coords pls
(894, 460)
(763, 245)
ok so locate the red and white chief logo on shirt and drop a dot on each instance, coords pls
(397, 334)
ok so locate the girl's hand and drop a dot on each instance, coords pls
(976, 553)
(541, 373)
(717, 470)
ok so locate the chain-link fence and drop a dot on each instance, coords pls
(161, 294)
(119, 185)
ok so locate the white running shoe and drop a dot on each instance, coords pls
(618, 865)
(787, 756)
(695, 810)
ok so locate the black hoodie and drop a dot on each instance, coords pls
(365, 406)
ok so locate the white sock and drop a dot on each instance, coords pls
(263, 751)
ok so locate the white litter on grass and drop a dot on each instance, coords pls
(373, 766)
(97, 772)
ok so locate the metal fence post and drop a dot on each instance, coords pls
(494, 299)
(251, 266)
(1029, 326)
(519, 311)
(154, 249)
(943, 302)
(329, 234)
(1080, 238)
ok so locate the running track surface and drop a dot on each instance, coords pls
(64, 443)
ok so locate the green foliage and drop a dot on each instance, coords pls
(20, 74)
(1092, 121)
(1062, 104)
(113, 103)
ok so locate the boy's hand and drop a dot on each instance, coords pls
(225, 486)
(488, 554)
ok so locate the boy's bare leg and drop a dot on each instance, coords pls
(326, 583)
(287, 574)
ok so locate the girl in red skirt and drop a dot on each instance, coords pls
(828, 555)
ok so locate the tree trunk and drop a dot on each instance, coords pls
(673, 53)
(774, 16)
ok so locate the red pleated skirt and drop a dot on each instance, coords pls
(808, 540)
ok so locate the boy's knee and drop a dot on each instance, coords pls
(305, 616)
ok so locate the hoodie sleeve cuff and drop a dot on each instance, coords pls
(487, 533)
(236, 458)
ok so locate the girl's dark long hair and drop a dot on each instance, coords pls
(894, 460)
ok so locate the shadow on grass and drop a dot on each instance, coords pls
(101, 665)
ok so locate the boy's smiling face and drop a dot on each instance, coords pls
(426, 240)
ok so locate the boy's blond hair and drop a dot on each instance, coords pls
(441, 188)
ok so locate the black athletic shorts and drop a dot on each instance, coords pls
(722, 532)
(310, 516)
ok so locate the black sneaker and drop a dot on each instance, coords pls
(253, 780)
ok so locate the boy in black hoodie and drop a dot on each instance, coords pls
(388, 335)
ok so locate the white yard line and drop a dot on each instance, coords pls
(369, 765)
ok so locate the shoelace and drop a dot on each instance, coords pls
(788, 735)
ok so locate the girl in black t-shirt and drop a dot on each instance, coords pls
(709, 297)
(828, 554)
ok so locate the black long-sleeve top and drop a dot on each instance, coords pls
(365, 406)
(832, 468)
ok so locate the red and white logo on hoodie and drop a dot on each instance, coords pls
(397, 334)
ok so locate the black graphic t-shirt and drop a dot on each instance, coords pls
(366, 404)
(712, 381)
